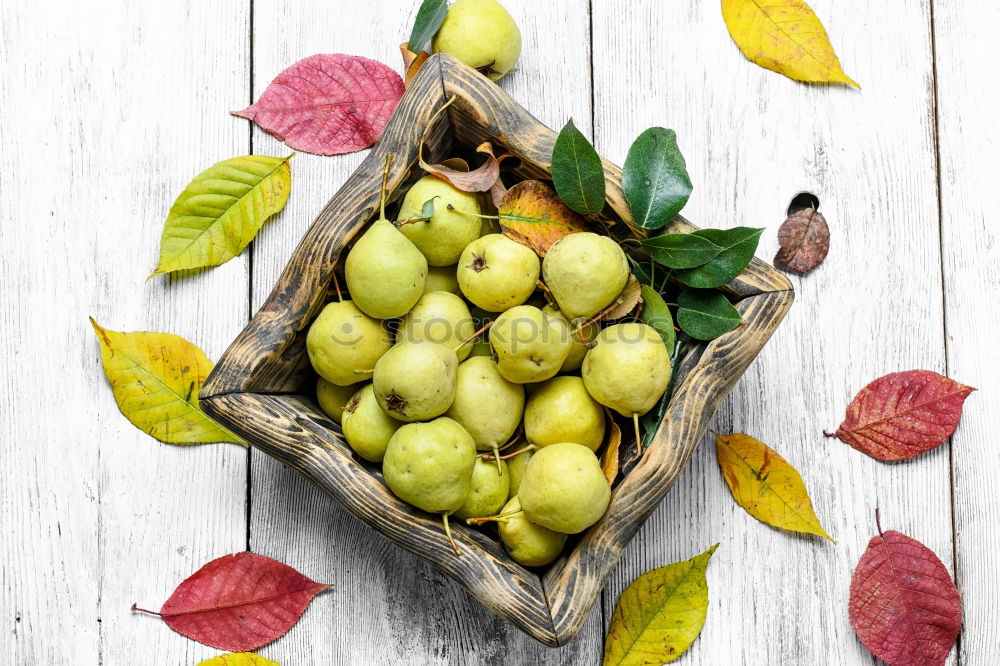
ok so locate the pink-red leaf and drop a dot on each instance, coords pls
(903, 414)
(239, 602)
(903, 604)
(328, 104)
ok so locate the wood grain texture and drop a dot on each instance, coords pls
(101, 130)
(968, 138)
(752, 140)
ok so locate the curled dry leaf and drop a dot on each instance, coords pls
(221, 211)
(660, 614)
(155, 378)
(903, 604)
(612, 443)
(412, 62)
(624, 303)
(903, 414)
(239, 659)
(328, 104)
(804, 240)
(784, 36)
(763, 483)
(532, 214)
(239, 602)
(480, 179)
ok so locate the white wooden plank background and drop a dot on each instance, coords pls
(108, 109)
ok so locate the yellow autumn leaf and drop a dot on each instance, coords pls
(659, 614)
(239, 659)
(763, 483)
(155, 379)
(784, 36)
(221, 211)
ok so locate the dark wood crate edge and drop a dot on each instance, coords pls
(294, 432)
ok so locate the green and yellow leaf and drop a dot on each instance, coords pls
(784, 36)
(532, 214)
(155, 378)
(221, 211)
(660, 614)
(239, 659)
(763, 483)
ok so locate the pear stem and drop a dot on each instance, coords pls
(473, 336)
(447, 531)
(385, 183)
(596, 318)
(336, 285)
(500, 517)
(496, 456)
(487, 457)
(548, 294)
(363, 371)
(430, 124)
(479, 215)
(638, 438)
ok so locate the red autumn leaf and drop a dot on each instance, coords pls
(239, 602)
(804, 241)
(903, 414)
(480, 179)
(328, 104)
(903, 604)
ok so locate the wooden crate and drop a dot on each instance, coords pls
(263, 387)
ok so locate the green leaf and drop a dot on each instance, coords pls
(656, 314)
(221, 211)
(705, 314)
(681, 250)
(155, 379)
(577, 171)
(430, 16)
(650, 421)
(643, 272)
(655, 178)
(738, 245)
(660, 614)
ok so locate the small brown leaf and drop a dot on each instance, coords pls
(411, 62)
(480, 179)
(498, 192)
(532, 214)
(613, 440)
(625, 302)
(804, 240)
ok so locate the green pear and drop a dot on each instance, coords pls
(516, 467)
(430, 466)
(442, 278)
(481, 347)
(581, 340)
(415, 381)
(481, 34)
(385, 272)
(332, 398)
(497, 273)
(488, 491)
(488, 406)
(344, 343)
(564, 489)
(561, 410)
(440, 317)
(527, 543)
(367, 428)
(442, 237)
(530, 345)
(628, 368)
(585, 272)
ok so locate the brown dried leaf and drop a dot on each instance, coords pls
(613, 440)
(532, 214)
(480, 179)
(625, 303)
(411, 62)
(804, 240)
(498, 192)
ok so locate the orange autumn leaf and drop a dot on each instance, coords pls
(609, 460)
(763, 483)
(532, 214)
(412, 62)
